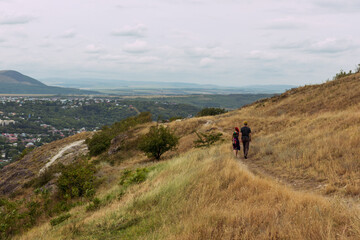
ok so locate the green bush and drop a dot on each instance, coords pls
(175, 118)
(101, 141)
(210, 112)
(132, 177)
(60, 219)
(9, 218)
(205, 140)
(95, 204)
(25, 152)
(77, 180)
(158, 141)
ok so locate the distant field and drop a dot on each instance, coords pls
(230, 101)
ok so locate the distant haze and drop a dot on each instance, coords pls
(222, 42)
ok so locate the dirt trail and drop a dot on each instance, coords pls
(308, 185)
(60, 154)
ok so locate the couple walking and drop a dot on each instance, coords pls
(245, 139)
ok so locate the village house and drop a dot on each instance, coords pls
(6, 122)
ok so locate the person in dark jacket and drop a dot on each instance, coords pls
(246, 138)
(235, 141)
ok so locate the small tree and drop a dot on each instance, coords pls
(77, 180)
(158, 141)
(205, 140)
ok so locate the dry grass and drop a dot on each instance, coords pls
(307, 138)
(207, 195)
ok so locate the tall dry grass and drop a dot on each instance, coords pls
(307, 136)
(206, 194)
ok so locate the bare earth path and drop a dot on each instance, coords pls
(60, 154)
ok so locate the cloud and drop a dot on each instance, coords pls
(138, 30)
(130, 59)
(262, 55)
(136, 47)
(287, 23)
(93, 49)
(214, 52)
(135, 6)
(337, 6)
(68, 34)
(327, 45)
(331, 45)
(206, 62)
(15, 19)
(286, 45)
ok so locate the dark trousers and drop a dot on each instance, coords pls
(246, 145)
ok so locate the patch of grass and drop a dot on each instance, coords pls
(59, 219)
(93, 205)
(207, 139)
(133, 177)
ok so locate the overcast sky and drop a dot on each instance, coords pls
(224, 42)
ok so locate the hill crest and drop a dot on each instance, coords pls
(13, 82)
(11, 76)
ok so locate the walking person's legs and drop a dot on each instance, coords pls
(246, 145)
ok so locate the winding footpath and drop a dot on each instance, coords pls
(60, 154)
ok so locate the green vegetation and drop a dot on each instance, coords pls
(227, 101)
(16, 216)
(207, 139)
(158, 141)
(130, 177)
(59, 219)
(25, 151)
(343, 73)
(77, 180)
(210, 112)
(45, 176)
(100, 142)
(93, 205)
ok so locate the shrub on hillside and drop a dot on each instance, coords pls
(93, 205)
(211, 112)
(133, 177)
(175, 118)
(101, 141)
(77, 180)
(25, 152)
(206, 139)
(59, 219)
(158, 141)
(9, 218)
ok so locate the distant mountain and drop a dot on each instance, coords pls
(92, 83)
(13, 82)
(124, 87)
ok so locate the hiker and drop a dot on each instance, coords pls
(235, 141)
(246, 138)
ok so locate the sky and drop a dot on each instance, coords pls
(223, 42)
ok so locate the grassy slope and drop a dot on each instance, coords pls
(207, 194)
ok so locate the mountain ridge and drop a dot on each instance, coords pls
(13, 82)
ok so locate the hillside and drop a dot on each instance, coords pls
(301, 181)
(13, 82)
